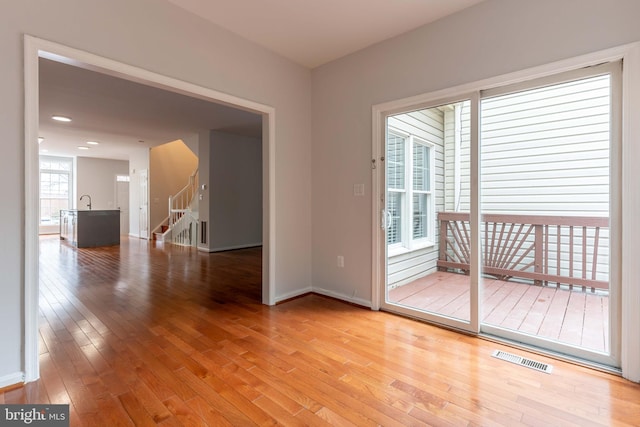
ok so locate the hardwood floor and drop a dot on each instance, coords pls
(139, 335)
(576, 318)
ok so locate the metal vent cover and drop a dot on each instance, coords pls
(519, 360)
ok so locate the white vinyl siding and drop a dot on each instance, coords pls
(546, 151)
(457, 184)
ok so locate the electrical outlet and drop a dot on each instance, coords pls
(340, 261)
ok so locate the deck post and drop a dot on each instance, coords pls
(442, 256)
(539, 247)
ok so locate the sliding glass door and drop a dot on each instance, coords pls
(428, 185)
(500, 212)
(548, 153)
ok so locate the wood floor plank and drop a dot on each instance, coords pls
(136, 410)
(143, 334)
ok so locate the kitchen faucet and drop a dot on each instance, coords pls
(86, 195)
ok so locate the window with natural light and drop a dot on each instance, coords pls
(55, 188)
(409, 181)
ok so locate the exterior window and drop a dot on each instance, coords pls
(421, 189)
(409, 191)
(55, 188)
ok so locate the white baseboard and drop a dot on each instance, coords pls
(12, 379)
(332, 294)
(293, 294)
(325, 292)
(230, 248)
(137, 236)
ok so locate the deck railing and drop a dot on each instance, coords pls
(560, 250)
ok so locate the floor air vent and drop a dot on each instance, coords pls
(518, 360)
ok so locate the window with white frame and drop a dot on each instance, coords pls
(55, 188)
(410, 207)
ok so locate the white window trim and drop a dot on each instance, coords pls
(629, 175)
(407, 243)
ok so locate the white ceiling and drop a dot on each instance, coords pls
(119, 114)
(314, 32)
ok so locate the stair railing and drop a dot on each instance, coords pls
(183, 217)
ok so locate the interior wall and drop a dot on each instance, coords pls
(490, 39)
(235, 191)
(203, 194)
(162, 38)
(97, 178)
(170, 166)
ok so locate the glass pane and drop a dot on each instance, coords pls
(50, 210)
(55, 176)
(421, 163)
(545, 206)
(420, 216)
(395, 161)
(430, 276)
(394, 209)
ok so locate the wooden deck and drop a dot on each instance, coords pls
(571, 317)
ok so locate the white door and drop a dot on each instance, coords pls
(144, 204)
(122, 202)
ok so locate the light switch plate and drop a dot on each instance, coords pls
(358, 189)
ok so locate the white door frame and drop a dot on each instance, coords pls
(628, 317)
(34, 48)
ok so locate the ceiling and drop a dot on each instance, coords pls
(314, 32)
(121, 114)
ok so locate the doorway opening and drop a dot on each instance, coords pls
(35, 49)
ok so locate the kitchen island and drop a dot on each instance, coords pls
(90, 228)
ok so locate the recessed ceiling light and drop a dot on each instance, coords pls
(40, 139)
(82, 147)
(93, 142)
(61, 118)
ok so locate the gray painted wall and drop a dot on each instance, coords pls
(490, 39)
(97, 178)
(235, 191)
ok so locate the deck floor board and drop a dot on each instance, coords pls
(572, 317)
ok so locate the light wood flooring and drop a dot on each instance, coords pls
(143, 335)
(572, 317)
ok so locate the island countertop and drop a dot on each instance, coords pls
(90, 228)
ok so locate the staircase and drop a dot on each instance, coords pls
(181, 226)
